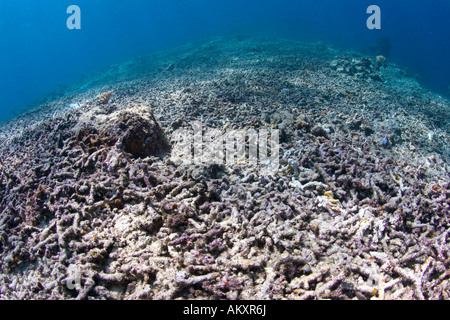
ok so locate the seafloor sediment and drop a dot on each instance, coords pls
(92, 206)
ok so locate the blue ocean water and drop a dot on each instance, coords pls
(39, 54)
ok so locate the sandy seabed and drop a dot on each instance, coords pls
(93, 207)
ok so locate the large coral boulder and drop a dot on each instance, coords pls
(133, 130)
(142, 136)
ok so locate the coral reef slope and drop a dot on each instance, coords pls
(93, 207)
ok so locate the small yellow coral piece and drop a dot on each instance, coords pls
(328, 194)
(330, 197)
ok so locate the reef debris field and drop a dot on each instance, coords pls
(93, 207)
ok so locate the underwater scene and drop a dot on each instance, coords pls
(225, 150)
